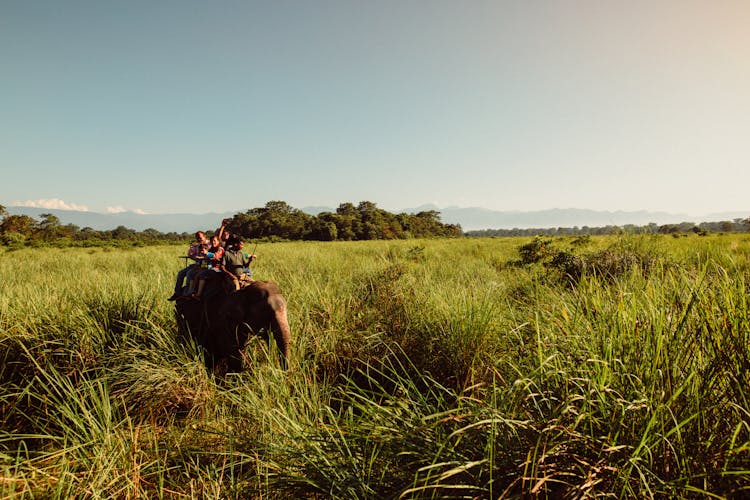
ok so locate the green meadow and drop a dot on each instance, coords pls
(581, 367)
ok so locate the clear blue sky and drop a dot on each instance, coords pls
(202, 106)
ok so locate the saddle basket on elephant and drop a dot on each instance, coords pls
(224, 319)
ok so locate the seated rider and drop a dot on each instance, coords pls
(210, 267)
(197, 249)
(236, 263)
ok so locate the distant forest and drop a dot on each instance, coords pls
(278, 221)
(736, 225)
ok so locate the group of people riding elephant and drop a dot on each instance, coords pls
(220, 257)
(218, 304)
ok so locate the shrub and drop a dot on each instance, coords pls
(570, 265)
(13, 239)
(536, 250)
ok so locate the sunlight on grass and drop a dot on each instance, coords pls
(611, 366)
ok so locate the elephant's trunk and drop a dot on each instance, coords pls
(281, 332)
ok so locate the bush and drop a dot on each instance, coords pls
(570, 265)
(536, 250)
(13, 239)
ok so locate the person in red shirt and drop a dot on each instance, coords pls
(211, 267)
(196, 251)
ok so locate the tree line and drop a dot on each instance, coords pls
(278, 221)
(275, 221)
(364, 221)
(23, 230)
(683, 228)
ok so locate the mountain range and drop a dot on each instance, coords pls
(470, 218)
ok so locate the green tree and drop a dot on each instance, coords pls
(364, 221)
(22, 224)
(122, 233)
(324, 228)
(347, 209)
(48, 229)
(347, 226)
(151, 234)
(373, 222)
(276, 218)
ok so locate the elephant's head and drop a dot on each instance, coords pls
(256, 309)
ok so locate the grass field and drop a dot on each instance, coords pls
(465, 368)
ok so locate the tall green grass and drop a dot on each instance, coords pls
(420, 369)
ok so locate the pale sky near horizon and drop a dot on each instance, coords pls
(195, 106)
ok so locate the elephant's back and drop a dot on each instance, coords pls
(265, 288)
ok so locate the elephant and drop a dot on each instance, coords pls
(222, 322)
